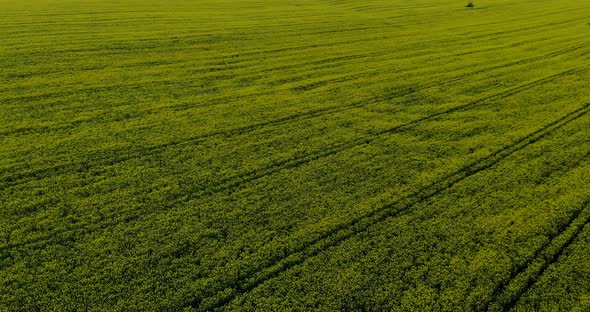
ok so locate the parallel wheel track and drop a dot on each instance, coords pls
(344, 231)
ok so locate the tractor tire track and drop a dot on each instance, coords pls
(244, 63)
(303, 87)
(116, 157)
(234, 182)
(347, 230)
(362, 75)
(255, 53)
(507, 294)
(58, 94)
(409, 48)
(457, 38)
(226, 99)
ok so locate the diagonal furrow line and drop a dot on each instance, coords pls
(238, 180)
(94, 89)
(358, 76)
(375, 54)
(341, 233)
(115, 157)
(349, 78)
(459, 38)
(30, 74)
(235, 181)
(507, 294)
(113, 87)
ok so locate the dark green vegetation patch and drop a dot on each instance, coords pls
(306, 155)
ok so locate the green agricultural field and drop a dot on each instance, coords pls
(294, 155)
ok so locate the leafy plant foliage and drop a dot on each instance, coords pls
(309, 155)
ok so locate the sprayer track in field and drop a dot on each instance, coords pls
(524, 276)
(236, 181)
(341, 233)
(20, 178)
